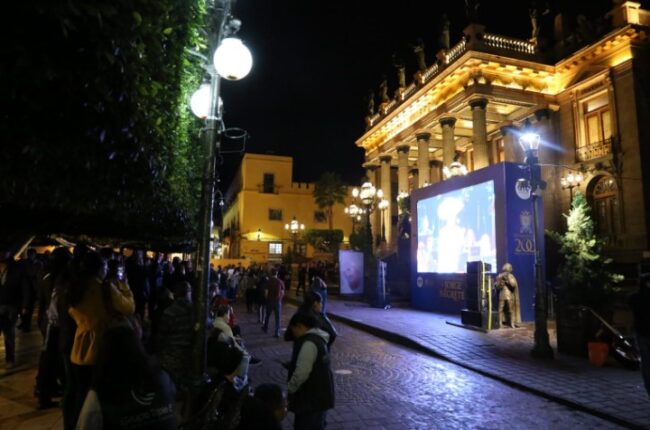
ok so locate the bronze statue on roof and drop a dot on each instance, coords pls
(418, 50)
(400, 67)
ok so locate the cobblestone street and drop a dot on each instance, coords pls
(380, 385)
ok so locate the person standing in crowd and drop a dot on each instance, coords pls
(155, 275)
(11, 291)
(31, 267)
(275, 293)
(136, 274)
(319, 286)
(261, 296)
(176, 334)
(640, 304)
(302, 278)
(129, 389)
(90, 313)
(247, 287)
(50, 364)
(311, 383)
(312, 304)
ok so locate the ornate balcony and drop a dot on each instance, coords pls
(594, 150)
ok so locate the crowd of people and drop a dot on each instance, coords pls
(118, 337)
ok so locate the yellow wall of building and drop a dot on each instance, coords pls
(249, 209)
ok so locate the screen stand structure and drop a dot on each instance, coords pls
(480, 313)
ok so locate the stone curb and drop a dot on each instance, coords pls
(412, 344)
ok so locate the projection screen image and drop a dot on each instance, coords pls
(456, 227)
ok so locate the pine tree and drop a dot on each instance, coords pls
(584, 274)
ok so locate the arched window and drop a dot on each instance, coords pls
(605, 207)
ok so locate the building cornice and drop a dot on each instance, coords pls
(519, 72)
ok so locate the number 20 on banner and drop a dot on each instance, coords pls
(524, 246)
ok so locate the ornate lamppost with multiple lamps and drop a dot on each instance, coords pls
(295, 228)
(231, 60)
(530, 144)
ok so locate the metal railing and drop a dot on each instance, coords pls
(456, 51)
(509, 43)
(594, 150)
(488, 41)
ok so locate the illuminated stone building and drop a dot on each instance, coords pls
(261, 201)
(587, 97)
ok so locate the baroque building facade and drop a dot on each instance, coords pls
(261, 201)
(587, 98)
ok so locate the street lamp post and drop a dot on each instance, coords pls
(294, 227)
(571, 181)
(382, 205)
(530, 144)
(354, 212)
(231, 60)
(369, 196)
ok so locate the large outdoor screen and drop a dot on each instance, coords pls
(456, 227)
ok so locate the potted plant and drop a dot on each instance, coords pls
(586, 281)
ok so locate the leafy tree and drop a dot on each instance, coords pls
(324, 240)
(98, 135)
(328, 191)
(358, 239)
(584, 273)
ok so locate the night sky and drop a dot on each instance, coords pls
(315, 61)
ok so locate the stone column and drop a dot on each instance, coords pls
(479, 133)
(511, 149)
(448, 145)
(436, 171)
(403, 168)
(423, 158)
(385, 186)
(371, 173)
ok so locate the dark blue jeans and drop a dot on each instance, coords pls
(310, 421)
(276, 308)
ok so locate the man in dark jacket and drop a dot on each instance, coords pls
(311, 383)
(12, 280)
(274, 295)
(175, 335)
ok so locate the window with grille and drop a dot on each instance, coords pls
(275, 248)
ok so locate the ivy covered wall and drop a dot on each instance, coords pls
(96, 134)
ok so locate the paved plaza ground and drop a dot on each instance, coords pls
(415, 374)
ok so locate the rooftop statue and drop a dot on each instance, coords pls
(418, 49)
(444, 32)
(471, 10)
(585, 30)
(399, 65)
(383, 89)
(371, 103)
(536, 13)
